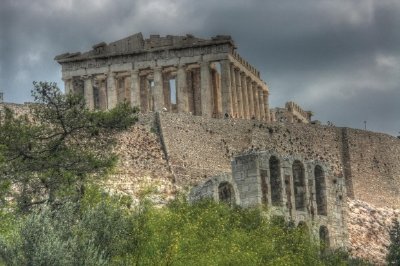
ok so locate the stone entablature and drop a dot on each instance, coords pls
(175, 73)
(292, 113)
(305, 192)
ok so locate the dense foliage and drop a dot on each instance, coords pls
(393, 257)
(49, 154)
(52, 213)
(105, 230)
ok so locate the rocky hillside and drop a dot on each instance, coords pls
(368, 228)
(191, 148)
(142, 168)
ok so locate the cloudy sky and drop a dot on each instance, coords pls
(338, 58)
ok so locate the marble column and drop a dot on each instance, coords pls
(111, 90)
(88, 92)
(233, 90)
(226, 88)
(135, 88)
(182, 89)
(261, 101)
(256, 101)
(239, 93)
(246, 102)
(250, 96)
(205, 86)
(68, 86)
(266, 106)
(158, 89)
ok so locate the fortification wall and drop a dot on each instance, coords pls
(200, 147)
(375, 167)
(142, 168)
(18, 109)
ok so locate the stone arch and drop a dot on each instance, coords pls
(226, 193)
(302, 225)
(320, 190)
(299, 183)
(324, 238)
(275, 181)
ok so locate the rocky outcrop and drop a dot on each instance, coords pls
(142, 168)
(368, 228)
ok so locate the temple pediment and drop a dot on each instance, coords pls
(136, 44)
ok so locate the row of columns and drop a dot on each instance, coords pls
(230, 93)
(248, 99)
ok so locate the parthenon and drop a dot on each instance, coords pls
(204, 77)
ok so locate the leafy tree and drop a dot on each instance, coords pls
(393, 257)
(50, 153)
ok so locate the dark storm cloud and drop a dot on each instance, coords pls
(340, 59)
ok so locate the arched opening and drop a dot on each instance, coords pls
(302, 226)
(299, 186)
(275, 180)
(320, 189)
(324, 239)
(226, 193)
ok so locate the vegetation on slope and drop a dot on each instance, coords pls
(49, 154)
(105, 230)
(53, 214)
(393, 257)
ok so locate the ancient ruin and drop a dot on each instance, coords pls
(304, 192)
(324, 178)
(291, 113)
(186, 74)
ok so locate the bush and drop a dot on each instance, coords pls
(104, 230)
(393, 257)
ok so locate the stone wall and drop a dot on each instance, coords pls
(142, 169)
(304, 192)
(375, 167)
(199, 147)
(368, 228)
(18, 109)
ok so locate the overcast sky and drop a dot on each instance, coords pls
(338, 58)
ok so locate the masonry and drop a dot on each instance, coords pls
(304, 192)
(182, 74)
(368, 162)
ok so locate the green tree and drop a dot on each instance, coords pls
(393, 257)
(50, 153)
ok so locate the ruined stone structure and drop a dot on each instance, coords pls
(186, 74)
(1, 97)
(167, 151)
(300, 170)
(304, 192)
(291, 113)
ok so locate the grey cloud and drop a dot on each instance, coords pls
(337, 58)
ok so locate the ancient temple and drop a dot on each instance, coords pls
(173, 73)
